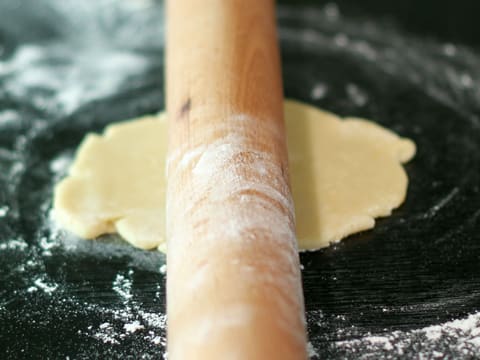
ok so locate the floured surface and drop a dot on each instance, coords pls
(344, 174)
(414, 270)
(458, 339)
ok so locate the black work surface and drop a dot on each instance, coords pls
(70, 67)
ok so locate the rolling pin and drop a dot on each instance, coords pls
(234, 283)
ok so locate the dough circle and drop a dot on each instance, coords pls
(344, 174)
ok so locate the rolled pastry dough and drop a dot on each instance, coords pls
(344, 174)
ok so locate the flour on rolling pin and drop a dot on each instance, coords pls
(222, 171)
(216, 169)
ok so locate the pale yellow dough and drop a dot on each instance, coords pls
(344, 174)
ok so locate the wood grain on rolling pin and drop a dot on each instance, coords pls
(234, 284)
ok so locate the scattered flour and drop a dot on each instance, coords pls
(13, 245)
(43, 285)
(311, 351)
(356, 95)
(106, 334)
(47, 244)
(8, 117)
(59, 165)
(450, 49)
(163, 269)
(453, 339)
(319, 91)
(122, 285)
(133, 326)
(126, 323)
(3, 210)
(72, 86)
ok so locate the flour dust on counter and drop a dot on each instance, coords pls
(455, 339)
(419, 265)
(117, 315)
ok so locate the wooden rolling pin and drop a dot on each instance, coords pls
(234, 284)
